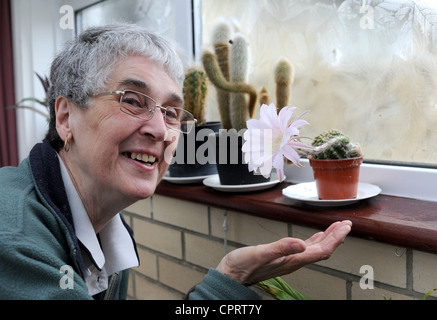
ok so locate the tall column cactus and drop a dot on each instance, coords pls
(228, 71)
(284, 76)
(234, 108)
(239, 61)
(195, 90)
(221, 36)
(212, 70)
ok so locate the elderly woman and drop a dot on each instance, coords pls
(116, 111)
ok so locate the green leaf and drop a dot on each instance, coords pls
(43, 103)
(428, 294)
(281, 290)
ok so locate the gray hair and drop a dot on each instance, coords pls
(83, 67)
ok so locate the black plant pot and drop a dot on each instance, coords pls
(192, 157)
(231, 168)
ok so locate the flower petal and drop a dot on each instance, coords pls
(278, 164)
(291, 154)
(281, 175)
(269, 115)
(271, 138)
(283, 118)
(278, 160)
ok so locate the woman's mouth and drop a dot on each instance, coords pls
(143, 158)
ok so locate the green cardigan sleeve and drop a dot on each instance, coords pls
(36, 256)
(29, 271)
(217, 286)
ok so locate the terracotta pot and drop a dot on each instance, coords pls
(336, 179)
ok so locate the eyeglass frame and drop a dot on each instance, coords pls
(123, 92)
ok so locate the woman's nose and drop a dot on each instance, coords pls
(156, 126)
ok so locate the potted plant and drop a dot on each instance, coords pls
(228, 68)
(191, 158)
(335, 161)
(46, 85)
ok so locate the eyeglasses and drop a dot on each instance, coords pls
(141, 106)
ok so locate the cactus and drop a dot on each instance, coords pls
(195, 90)
(228, 71)
(334, 144)
(212, 70)
(221, 37)
(239, 58)
(284, 76)
(264, 96)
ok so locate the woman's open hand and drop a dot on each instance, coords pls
(250, 265)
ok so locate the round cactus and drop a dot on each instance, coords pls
(334, 144)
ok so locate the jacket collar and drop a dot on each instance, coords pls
(46, 170)
(44, 163)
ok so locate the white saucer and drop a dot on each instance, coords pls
(214, 182)
(185, 180)
(307, 192)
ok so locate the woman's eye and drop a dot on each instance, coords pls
(132, 102)
(172, 113)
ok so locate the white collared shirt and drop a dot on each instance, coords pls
(115, 251)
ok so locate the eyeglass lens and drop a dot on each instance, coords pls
(142, 106)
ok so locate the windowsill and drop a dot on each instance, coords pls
(394, 220)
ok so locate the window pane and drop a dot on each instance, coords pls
(151, 14)
(171, 18)
(370, 71)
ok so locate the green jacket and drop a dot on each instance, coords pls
(40, 256)
(37, 242)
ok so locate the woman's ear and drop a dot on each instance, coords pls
(63, 108)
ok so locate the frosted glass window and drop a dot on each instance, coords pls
(171, 18)
(368, 68)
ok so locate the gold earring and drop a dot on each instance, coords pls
(67, 143)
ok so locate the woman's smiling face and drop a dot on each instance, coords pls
(105, 139)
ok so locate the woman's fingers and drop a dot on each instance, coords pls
(257, 263)
(322, 235)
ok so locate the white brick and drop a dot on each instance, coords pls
(355, 253)
(246, 229)
(146, 290)
(375, 294)
(317, 285)
(141, 208)
(148, 264)
(177, 276)
(204, 252)
(424, 268)
(183, 214)
(159, 238)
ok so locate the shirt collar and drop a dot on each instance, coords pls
(116, 249)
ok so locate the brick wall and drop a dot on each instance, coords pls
(178, 241)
